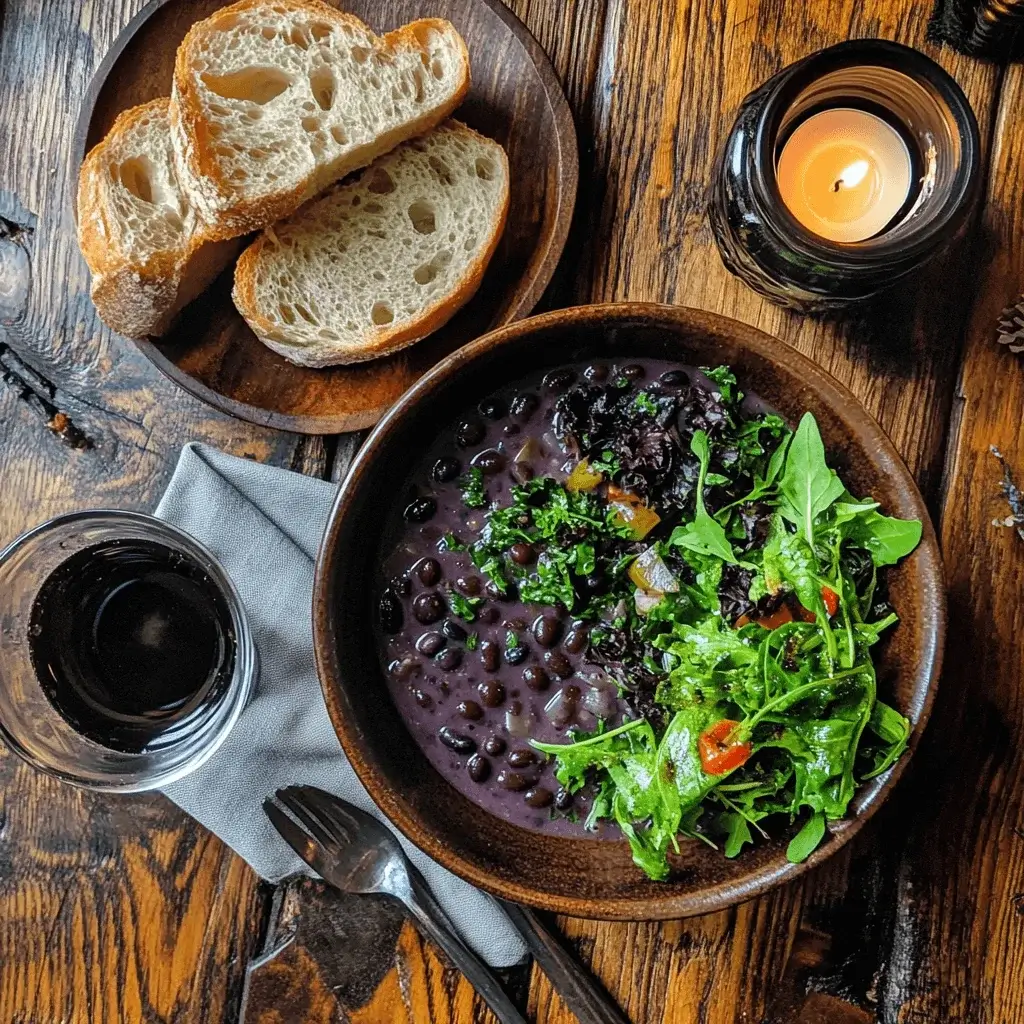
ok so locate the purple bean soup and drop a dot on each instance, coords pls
(627, 600)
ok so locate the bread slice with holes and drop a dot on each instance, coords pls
(383, 260)
(149, 252)
(274, 100)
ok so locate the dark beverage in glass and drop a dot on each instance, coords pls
(126, 656)
(133, 643)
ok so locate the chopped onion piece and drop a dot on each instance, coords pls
(560, 710)
(600, 702)
(517, 725)
(527, 452)
(645, 602)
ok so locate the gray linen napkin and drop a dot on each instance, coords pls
(264, 525)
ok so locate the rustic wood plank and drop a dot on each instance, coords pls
(110, 909)
(960, 929)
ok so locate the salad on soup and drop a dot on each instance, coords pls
(629, 600)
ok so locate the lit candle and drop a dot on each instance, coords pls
(844, 174)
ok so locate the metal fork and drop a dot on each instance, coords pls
(355, 852)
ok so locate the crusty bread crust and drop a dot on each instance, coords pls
(378, 341)
(137, 299)
(228, 208)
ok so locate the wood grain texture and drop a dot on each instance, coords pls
(959, 933)
(110, 909)
(514, 98)
(120, 911)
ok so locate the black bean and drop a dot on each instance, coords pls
(470, 585)
(515, 624)
(449, 659)
(517, 655)
(446, 468)
(428, 607)
(577, 638)
(494, 745)
(489, 461)
(456, 740)
(493, 591)
(675, 378)
(492, 693)
(401, 585)
(521, 473)
(546, 630)
(430, 643)
(429, 571)
(488, 615)
(563, 799)
(521, 758)
(595, 583)
(572, 693)
(538, 796)
(479, 768)
(511, 429)
(405, 668)
(453, 630)
(524, 405)
(522, 553)
(511, 780)
(422, 698)
(493, 408)
(596, 373)
(419, 510)
(558, 380)
(558, 663)
(536, 678)
(632, 371)
(470, 709)
(390, 612)
(490, 655)
(515, 708)
(469, 433)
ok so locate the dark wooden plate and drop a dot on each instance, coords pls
(588, 877)
(515, 99)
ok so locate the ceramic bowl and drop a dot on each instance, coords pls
(590, 877)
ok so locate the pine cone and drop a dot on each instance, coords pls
(1011, 326)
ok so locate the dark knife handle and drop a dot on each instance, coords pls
(581, 991)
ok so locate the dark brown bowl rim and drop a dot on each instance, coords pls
(712, 898)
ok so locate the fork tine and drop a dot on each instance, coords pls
(332, 808)
(296, 804)
(302, 843)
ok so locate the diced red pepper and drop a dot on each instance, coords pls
(721, 750)
(831, 599)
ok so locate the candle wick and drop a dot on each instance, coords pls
(837, 185)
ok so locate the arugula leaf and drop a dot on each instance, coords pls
(704, 534)
(807, 483)
(737, 833)
(449, 542)
(807, 840)
(894, 730)
(886, 538)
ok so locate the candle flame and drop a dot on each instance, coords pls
(852, 175)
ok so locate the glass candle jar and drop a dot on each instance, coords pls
(125, 653)
(914, 104)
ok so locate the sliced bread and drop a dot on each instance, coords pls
(383, 260)
(274, 100)
(148, 251)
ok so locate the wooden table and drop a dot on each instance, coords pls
(125, 910)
